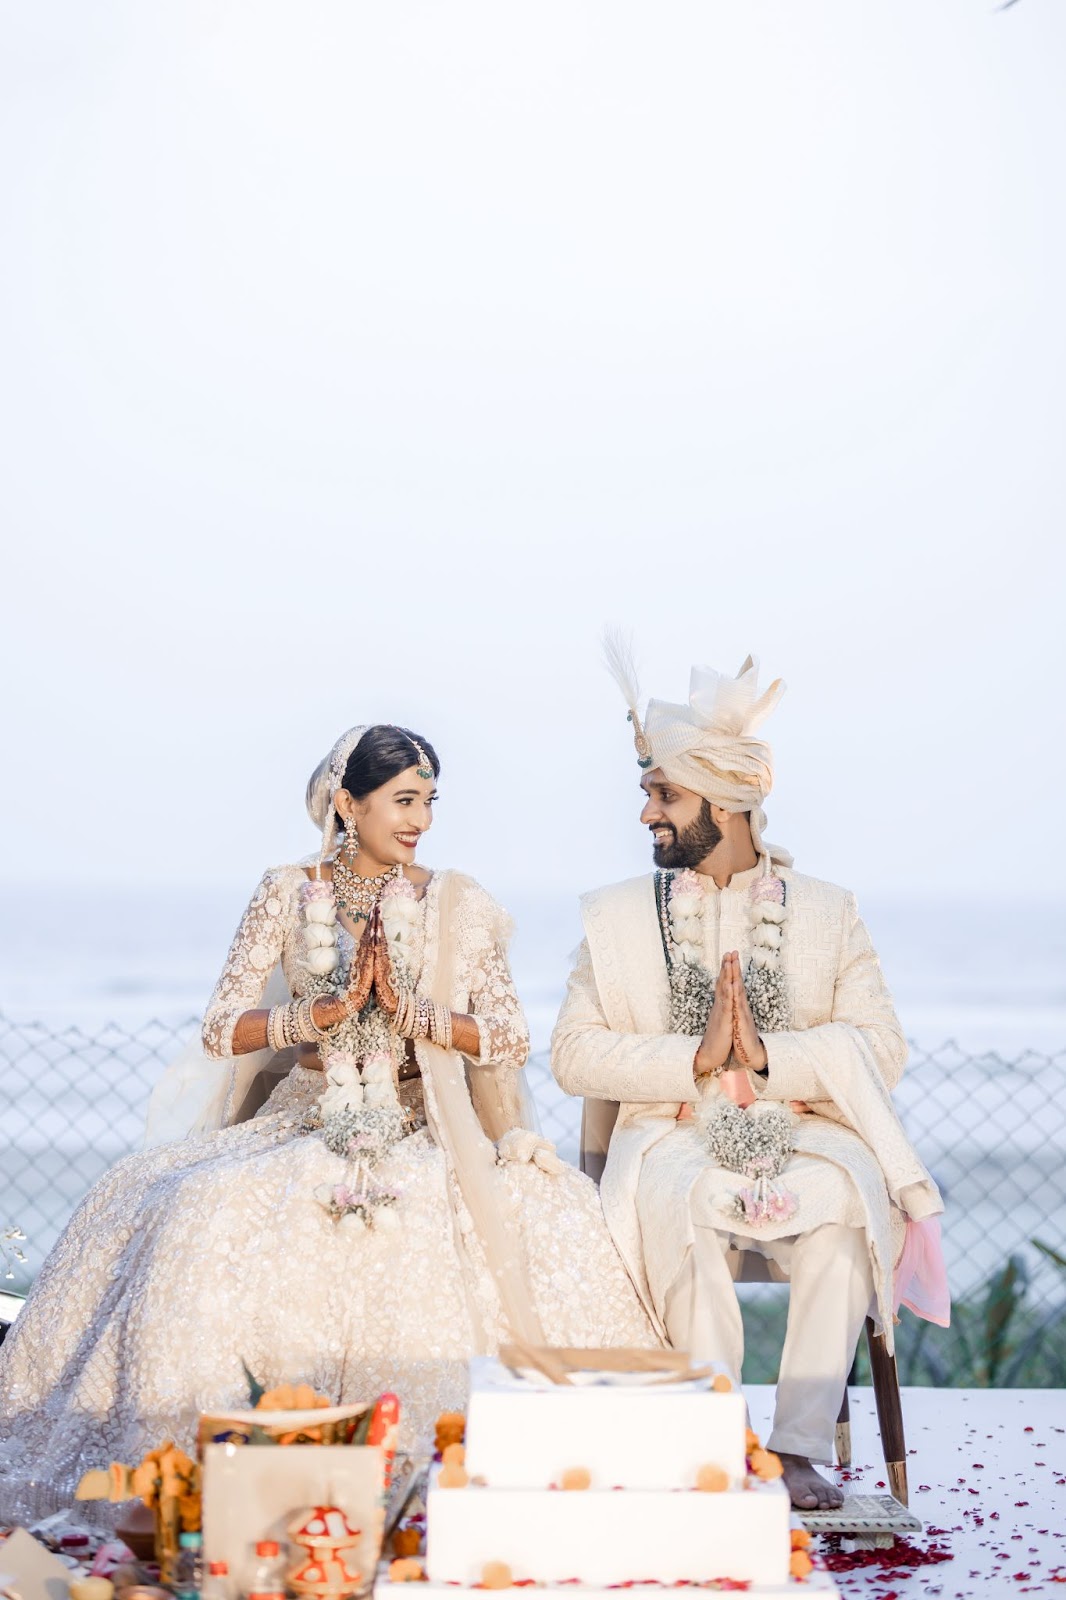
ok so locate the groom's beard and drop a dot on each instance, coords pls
(689, 847)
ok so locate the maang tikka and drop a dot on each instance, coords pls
(423, 770)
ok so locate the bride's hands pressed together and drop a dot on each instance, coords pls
(361, 977)
(384, 987)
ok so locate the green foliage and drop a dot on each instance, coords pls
(256, 1390)
(1000, 1337)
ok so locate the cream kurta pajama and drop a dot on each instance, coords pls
(670, 1206)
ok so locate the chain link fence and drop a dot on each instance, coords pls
(991, 1130)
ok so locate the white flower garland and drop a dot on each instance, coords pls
(756, 1142)
(359, 1112)
(692, 985)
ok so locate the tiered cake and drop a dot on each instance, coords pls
(607, 1482)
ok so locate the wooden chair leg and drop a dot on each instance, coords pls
(843, 1429)
(889, 1412)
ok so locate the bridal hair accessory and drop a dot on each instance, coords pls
(424, 770)
(708, 745)
(326, 779)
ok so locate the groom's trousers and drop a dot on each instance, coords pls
(831, 1284)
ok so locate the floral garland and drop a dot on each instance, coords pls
(359, 1113)
(755, 1142)
(682, 910)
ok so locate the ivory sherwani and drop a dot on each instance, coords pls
(853, 1165)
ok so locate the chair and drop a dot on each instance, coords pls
(889, 1415)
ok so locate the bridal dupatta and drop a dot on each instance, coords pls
(468, 1107)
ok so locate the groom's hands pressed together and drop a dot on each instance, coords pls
(716, 1046)
(747, 1044)
(730, 1030)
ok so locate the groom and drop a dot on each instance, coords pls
(721, 982)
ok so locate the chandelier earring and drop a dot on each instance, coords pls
(351, 838)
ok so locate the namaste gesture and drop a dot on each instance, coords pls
(371, 970)
(748, 1048)
(371, 973)
(730, 1040)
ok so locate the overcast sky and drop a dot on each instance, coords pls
(359, 362)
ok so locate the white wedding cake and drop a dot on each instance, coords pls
(612, 1479)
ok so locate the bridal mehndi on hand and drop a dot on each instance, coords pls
(361, 975)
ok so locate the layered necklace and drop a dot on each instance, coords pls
(358, 895)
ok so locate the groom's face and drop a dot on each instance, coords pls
(681, 823)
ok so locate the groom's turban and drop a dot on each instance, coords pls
(709, 745)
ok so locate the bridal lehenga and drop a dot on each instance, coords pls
(228, 1246)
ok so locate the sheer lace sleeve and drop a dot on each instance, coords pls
(254, 953)
(484, 929)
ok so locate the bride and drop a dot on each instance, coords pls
(384, 1214)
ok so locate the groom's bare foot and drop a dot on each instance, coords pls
(809, 1490)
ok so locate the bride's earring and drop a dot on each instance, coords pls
(351, 838)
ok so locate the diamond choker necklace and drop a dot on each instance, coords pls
(357, 895)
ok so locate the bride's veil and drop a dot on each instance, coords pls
(200, 1094)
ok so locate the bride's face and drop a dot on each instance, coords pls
(391, 820)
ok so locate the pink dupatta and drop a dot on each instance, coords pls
(921, 1281)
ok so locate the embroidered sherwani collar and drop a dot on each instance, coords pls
(739, 883)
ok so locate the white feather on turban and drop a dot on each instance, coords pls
(709, 745)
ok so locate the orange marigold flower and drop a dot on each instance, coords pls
(406, 1570)
(766, 1465)
(143, 1481)
(800, 1564)
(496, 1575)
(450, 1429)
